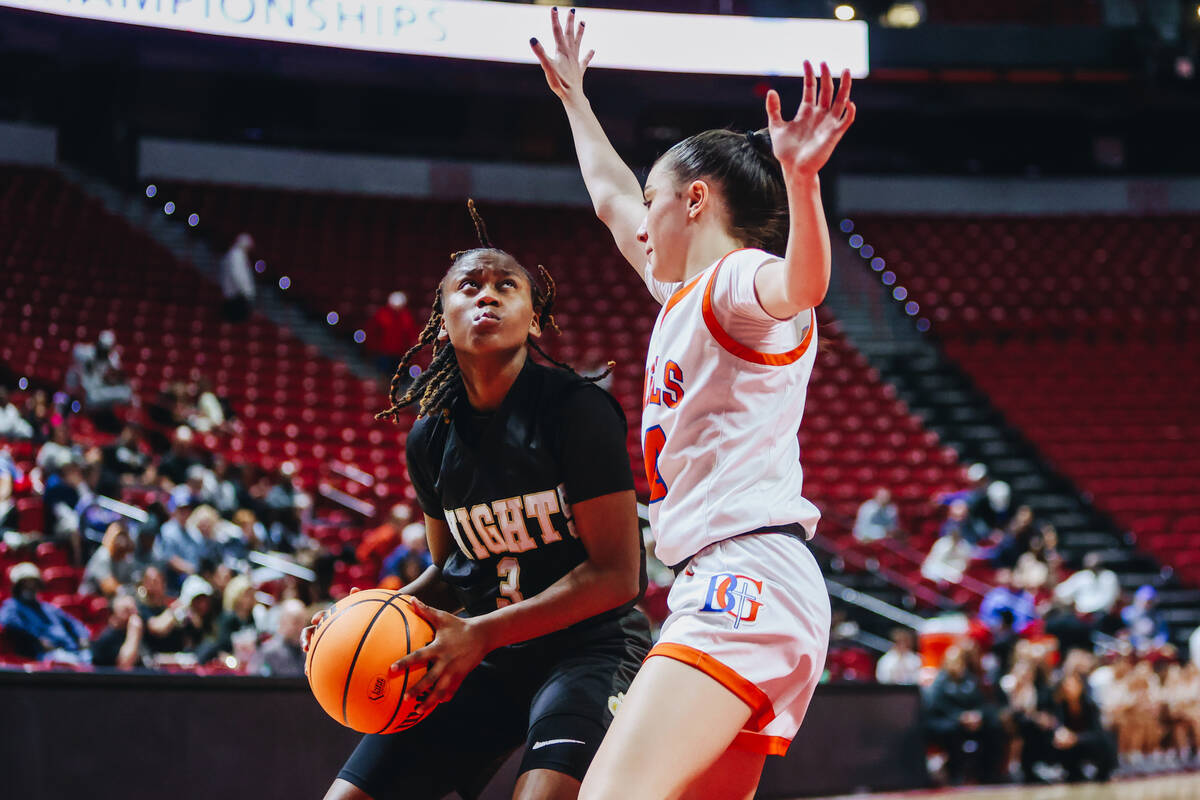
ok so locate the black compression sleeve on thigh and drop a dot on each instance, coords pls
(563, 743)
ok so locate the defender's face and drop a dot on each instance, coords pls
(487, 305)
(663, 232)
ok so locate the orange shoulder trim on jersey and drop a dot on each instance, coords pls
(681, 293)
(761, 743)
(761, 712)
(740, 350)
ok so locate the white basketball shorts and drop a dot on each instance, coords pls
(752, 612)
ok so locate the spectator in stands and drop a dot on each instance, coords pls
(948, 558)
(1093, 591)
(123, 460)
(960, 720)
(1006, 596)
(391, 332)
(1144, 625)
(58, 451)
(228, 495)
(958, 521)
(121, 644)
(196, 617)
(155, 607)
(878, 517)
(994, 508)
(182, 545)
(59, 502)
(239, 601)
(1016, 539)
(111, 566)
(12, 424)
(1038, 569)
(1194, 649)
(237, 280)
(283, 502)
(181, 458)
(41, 416)
(97, 372)
(93, 518)
(900, 664)
(378, 543)
(281, 655)
(9, 518)
(1076, 737)
(1065, 625)
(36, 629)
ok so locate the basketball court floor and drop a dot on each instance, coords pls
(1170, 787)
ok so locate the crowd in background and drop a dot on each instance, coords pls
(151, 551)
(1055, 675)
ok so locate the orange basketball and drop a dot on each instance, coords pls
(349, 656)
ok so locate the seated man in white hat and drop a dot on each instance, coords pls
(40, 630)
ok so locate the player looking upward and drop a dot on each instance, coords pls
(524, 478)
(729, 235)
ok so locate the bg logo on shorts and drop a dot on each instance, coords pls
(736, 595)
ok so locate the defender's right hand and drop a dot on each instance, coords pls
(564, 72)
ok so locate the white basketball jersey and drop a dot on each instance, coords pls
(724, 394)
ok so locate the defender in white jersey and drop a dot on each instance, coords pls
(728, 366)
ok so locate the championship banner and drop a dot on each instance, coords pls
(494, 31)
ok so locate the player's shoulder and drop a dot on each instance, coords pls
(746, 257)
(423, 434)
(573, 394)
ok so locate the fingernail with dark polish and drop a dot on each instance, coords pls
(533, 40)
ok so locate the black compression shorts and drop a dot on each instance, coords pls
(554, 700)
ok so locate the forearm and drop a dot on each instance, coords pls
(432, 590)
(583, 592)
(607, 177)
(807, 262)
(127, 658)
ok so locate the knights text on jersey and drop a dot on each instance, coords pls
(724, 395)
(505, 481)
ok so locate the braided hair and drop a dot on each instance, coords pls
(435, 389)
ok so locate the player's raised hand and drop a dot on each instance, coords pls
(804, 143)
(564, 71)
(456, 649)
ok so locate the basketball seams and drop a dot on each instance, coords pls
(384, 605)
(404, 686)
(324, 626)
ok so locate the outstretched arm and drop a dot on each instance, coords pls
(614, 189)
(803, 144)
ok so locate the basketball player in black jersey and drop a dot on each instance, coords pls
(524, 478)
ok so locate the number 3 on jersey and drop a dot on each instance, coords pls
(652, 445)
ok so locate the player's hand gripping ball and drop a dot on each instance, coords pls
(349, 655)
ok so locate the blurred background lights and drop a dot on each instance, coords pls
(169, 208)
(847, 225)
(193, 220)
(360, 336)
(877, 264)
(903, 15)
(911, 308)
(922, 325)
(151, 190)
(23, 384)
(844, 12)
(899, 293)
(856, 241)
(414, 371)
(332, 318)
(888, 278)
(866, 251)
(260, 266)
(285, 282)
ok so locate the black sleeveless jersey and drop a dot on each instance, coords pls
(504, 482)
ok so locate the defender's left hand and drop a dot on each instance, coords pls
(457, 648)
(804, 143)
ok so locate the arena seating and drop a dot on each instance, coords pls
(76, 270)
(1082, 331)
(855, 436)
